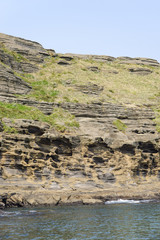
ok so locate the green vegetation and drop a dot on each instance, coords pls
(60, 119)
(17, 56)
(42, 90)
(8, 129)
(57, 83)
(63, 119)
(120, 125)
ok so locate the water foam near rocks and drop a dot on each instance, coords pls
(125, 201)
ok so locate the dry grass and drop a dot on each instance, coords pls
(66, 83)
(57, 83)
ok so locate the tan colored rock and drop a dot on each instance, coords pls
(89, 165)
(15, 200)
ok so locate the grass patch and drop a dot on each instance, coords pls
(120, 125)
(63, 119)
(43, 91)
(55, 83)
(17, 56)
(60, 119)
(123, 87)
(8, 129)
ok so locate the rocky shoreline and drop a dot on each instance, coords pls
(54, 198)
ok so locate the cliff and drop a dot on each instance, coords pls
(76, 128)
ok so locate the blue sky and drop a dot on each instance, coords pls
(109, 27)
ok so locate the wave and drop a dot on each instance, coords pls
(123, 201)
(32, 211)
(17, 213)
(6, 213)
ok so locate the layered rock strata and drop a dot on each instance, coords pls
(18, 55)
(113, 154)
(41, 166)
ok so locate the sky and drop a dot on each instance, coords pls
(103, 27)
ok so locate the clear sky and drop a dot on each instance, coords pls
(108, 27)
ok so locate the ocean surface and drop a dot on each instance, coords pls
(127, 220)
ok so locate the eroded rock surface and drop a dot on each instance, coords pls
(95, 163)
(113, 154)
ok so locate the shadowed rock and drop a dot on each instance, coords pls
(140, 71)
(66, 57)
(10, 83)
(64, 63)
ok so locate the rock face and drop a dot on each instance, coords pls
(10, 83)
(22, 65)
(18, 55)
(30, 50)
(138, 61)
(90, 88)
(95, 163)
(141, 71)
(101, 58)
(114, 153)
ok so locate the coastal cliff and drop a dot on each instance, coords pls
(76, 128)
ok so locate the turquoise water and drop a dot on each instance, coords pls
(127, 221)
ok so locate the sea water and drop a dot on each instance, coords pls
(122, 219)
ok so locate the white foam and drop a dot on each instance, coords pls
(16, 213)
(7, 214)
(32, 211)
(123, 201)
